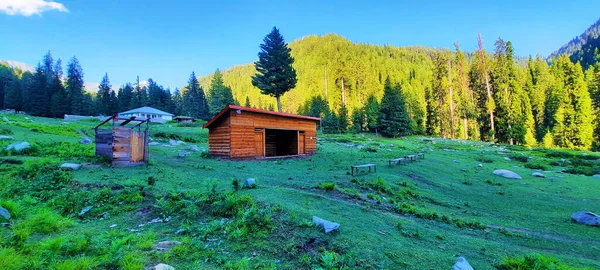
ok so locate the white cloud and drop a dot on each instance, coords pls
(29, 7)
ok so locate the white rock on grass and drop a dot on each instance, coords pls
(85, 140)
(153, 143)
(327, 225)
(70, 166)
(162, 266)
(507, 159)
(507, 174)
(4, 213)
(5, 119)
(250, 182)
(537, 174)
(587, 218)
(596, 175)
(18, 146)
(462, 264)
(5, 138)
(183, 154)
(194, 148)
(85, 210)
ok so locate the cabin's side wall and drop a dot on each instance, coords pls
(219, 138)
(243, 127)
(104, 143)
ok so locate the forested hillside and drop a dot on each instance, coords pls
(584, 48)
(482, 95)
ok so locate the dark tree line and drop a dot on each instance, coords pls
(48, 92)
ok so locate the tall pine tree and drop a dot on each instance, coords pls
(75, 86)
(393, 118)
(275, 74)
(219, 94)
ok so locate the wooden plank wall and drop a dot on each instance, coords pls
(242, 131)
(219, 138)
(138, 146)
(104, 144)
(121, 146)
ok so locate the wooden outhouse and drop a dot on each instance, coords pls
(123, 144)
(242, 132)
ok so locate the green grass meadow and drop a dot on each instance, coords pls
(422, 215)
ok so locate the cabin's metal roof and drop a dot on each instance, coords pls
(241, 108)
(147, 110)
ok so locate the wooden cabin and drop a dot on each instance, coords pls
(123, 144)
(184, 119)
(242, 132)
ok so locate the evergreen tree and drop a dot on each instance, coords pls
(247, 104)
(140, 95)
(125, 97)
(371, 111)
(574, 115)
(393, 119)
(13, 94)
(219, 94)
(343, 119)
(359, 120)
(36, 102)
(194, 100)
(275, 75)
(75, 86)
(103, 97)
(479, 77)
(466, 107)
(330, 122)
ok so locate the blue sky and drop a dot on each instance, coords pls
(167, 40)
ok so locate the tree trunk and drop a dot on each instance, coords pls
(466, 131)
(343, 93)
(451, 99)
(278, 103)
(489, 92)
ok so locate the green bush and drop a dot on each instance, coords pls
(534, 261)
(45, 220)
(369, 149)
(520, 158)
(535, 166)
(559, 154)
(326, 186)
(5, 131)
(484, 159)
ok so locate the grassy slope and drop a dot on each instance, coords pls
(535, 211)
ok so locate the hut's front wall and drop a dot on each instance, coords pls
(104, 144)
(247, 131)
(219, 138)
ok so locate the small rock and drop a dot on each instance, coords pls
(596, 175)
(180, 231)
(162, 266)
(250, 182)
(18, 146)
(194, 148)
(4, 213)
(183, 154)
(277, 261)
(507, 159)
(5, 138)
(456, 160)
(507, 174)
(537, 174)
(174, 142)
(166, 245)
(85, 140)
(85, 210)
(153, 143)
(70, 166)
(5, 119)
(463, 170)
(327, 225)
(587, 218)
(156, 220)
(167, 219)
(462, 264)
(479, 165)
(113, 226)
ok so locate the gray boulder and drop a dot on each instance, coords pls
(194, 148)
(70, 166)
(587, 218)
(327, 225)
(250, 182)
(162, 266)
(4, 213)
(174, 142)
(18, 146)
(183, 154)
(462, 264)
(537, 174)
(5, 138)
(5, 119)
(85, 140)
(85, 210)
(507, 174)
(507, 159)
(596, 175)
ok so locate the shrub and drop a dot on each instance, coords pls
(151, 180)
(560, 154)
(235, 183)
(380, 185)
(535, 166)
(520, 158)
(369, 149)
(326, 186)
(484, 159)
(534, 261)
(45, 221)
(5, 131)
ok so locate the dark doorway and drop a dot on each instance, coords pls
(280, 142)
